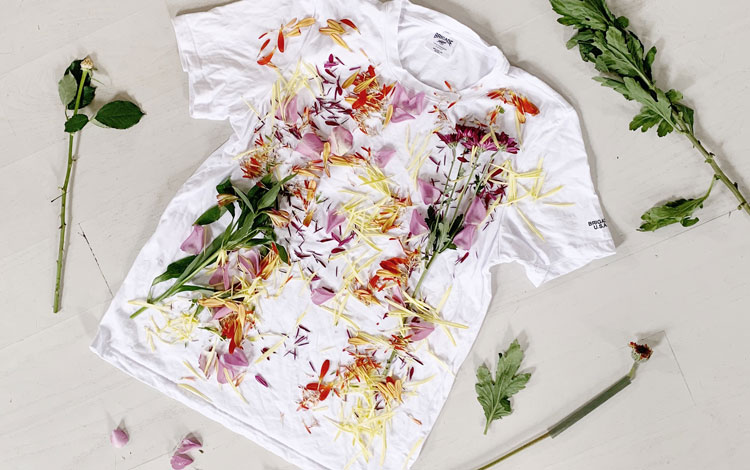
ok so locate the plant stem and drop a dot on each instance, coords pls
(575, 416)
(64, 200)
(720, 175)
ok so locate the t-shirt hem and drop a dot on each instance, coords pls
(191, 64)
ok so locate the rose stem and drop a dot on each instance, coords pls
(64, 199)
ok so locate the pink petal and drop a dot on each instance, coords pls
(476, 213)
(196, 241)
(310, 145)
(220, 312)
(465, 237)
(334, 220)
(383, 156)
(429, 192)
(180, 461)
(251, 262)
(417, 225)
(118, 438)
(288, 113)
(320, 295)
(221, 276)
(400, 115)
(188, 444)
(341, 140)
(237, 359)
(420, 329)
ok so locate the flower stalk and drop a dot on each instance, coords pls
(641, 353)
(86, 66)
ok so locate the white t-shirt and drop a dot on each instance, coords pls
(369, 104)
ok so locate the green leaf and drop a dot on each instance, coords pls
(616, 85)
(283, 254)
(210, 215)
(589, 13)
(67, 88)
(494, 394)
(174, 270)
(87, 96)
(672, 212)
(269, 198)
(119, 114)
(76, 123)
(645, 120)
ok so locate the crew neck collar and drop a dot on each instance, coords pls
(398, 9)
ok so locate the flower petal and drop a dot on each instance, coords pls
(188, 444)
(465, 237)
(420, 329)
(118, 438)
(180, 461)
(341, 140)
(196, 241)
(334, 220)
(250, 261)
(310, 145)
(383, 156)
(320, 295)
(220, 312)
(429, 192)
(476, 212)
(417, 225)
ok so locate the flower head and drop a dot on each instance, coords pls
(641, 352)
(451, 140)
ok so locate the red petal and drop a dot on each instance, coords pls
(324, 393)
(324, 369)
(265, 60)
(281, 41)
(349, 23)
(265, 43)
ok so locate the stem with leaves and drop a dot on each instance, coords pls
(617, 53)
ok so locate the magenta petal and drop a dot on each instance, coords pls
(465, 237)
(429, 192)
(320, 295)
(417, 225)
(118, 438)
(476, 213)
(334, 220)
(196, 241)
(420, 329)
(188, 444)
(310, 145)
(383, 156)
(180, 461)
(341, 140)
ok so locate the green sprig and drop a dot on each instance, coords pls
(625, 66)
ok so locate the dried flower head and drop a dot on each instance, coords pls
(87, 64)
(641, 352)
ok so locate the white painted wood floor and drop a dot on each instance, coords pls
(686, 290)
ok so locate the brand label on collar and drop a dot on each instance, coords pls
(441, 44)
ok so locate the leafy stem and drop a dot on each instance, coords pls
(64, 198)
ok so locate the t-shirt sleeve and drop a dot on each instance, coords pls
(230, 52)
(557, 224)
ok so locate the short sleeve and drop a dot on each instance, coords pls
(225, 51)
(557, 224)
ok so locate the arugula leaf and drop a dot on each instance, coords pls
(494, 394)
(672, 212)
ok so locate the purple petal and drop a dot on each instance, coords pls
(476, 213)
(180, 461)
(420, 329)
(383, 156)
(237, 359)
(261, 380)
(334, 220)
(429, 192)
(465, 237)
(119, 438)
(196, 241)
(400, 115)
(417, 225)
(320, 295)
(341, 140)
(188, 444)
(310, 145)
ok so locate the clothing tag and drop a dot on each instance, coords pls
(441, 44)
